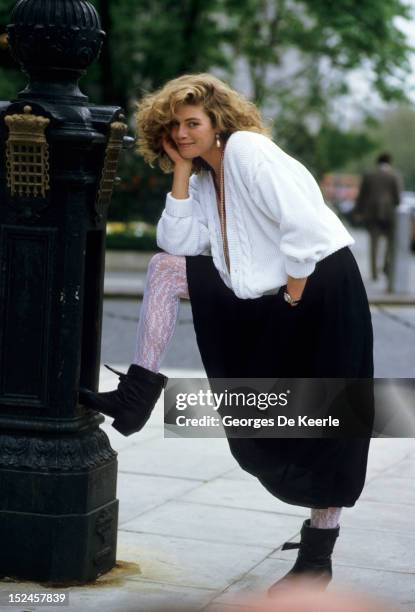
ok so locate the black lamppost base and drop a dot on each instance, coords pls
(58, 472)
(58, 517)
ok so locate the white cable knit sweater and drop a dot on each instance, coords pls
(277, 222)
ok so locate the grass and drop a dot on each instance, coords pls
(131, 236)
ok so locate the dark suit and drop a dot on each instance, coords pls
(375, 205)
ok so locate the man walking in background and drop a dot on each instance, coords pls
(375, 206)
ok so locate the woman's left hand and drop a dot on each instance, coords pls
(295, 287)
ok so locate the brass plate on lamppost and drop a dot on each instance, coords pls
(108, 176)
(27, 154)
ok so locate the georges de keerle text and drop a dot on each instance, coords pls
(256, 423)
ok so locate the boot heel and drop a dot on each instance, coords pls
(131, 404)
(122, 428)
(313, 561)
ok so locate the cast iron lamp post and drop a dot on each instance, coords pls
(58, 506)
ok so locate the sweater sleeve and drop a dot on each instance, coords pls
(182, 228)
(287, 193)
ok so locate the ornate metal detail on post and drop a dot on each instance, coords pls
(27, 154)
(112, 154)
(84, 452)
(46, 33)
(104, 527)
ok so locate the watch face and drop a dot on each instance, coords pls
(289, 299)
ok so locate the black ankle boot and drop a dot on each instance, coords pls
(132, 402)
(313, 560)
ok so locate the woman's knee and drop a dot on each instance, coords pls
(163, 261)
(165, 266)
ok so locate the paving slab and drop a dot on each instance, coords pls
(254, 583)
(393, 343)
(396, 589)
(140, 596)
(200, 459)
(405, 468)
(380, 516)
(369, 548)
(111, 594)
(221, 607)
(140, 493)
(119, 442)
(394, 489)
(184, 561)
(391, 588)
(238, 473)
(217, 524)
(251, 496)
(387, 453)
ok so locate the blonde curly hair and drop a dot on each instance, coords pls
(228, 110)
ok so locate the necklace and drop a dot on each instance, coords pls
(222, 213)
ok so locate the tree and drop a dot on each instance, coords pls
(346, 34)
(11, 79)
(297, 55)
(284, 43)
(394, 131)
(151, 42)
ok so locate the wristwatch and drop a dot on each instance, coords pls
(290, 300)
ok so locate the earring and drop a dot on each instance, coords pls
(218, 143)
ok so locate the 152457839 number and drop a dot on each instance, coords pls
(44, 598)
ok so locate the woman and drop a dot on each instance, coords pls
(274, 290)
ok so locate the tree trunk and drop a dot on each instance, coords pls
(109, 92)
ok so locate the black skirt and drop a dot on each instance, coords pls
(329, 334)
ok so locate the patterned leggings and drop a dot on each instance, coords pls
(166, 283)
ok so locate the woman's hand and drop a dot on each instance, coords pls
(172, 151)
(182, 169)
(295, 287)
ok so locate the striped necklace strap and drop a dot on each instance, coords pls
(222, 212)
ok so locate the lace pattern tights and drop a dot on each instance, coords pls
(166, 283)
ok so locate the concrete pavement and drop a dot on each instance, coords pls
(194, 529)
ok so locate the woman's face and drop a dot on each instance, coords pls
(192, 131)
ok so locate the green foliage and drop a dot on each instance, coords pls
(135, 236)
(397, 134)
(127, 242)
(327, 151)
(141, 193)
(124, 242)
(11, 79)
(151, 42)
(344, 33)
(393, 132)
(297, 53)
(6, 7)
(336, 147)
(11, 82)
(352, 30)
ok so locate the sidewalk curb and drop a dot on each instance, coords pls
(126, 273)
(119, 293)
(128, 261)
(392, 300)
